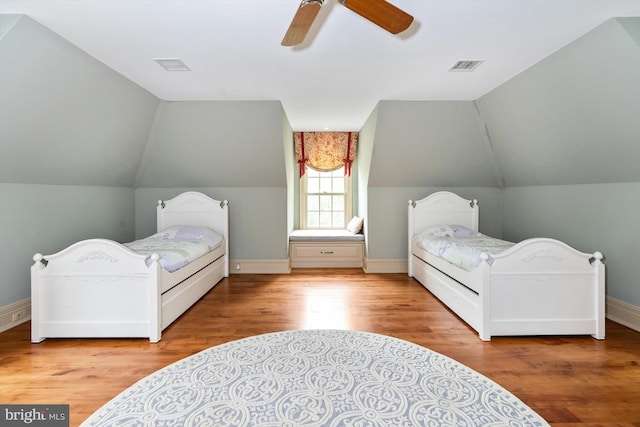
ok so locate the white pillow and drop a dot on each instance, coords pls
(355, 225)
(460, 231)
(439, 231)
(191, 232)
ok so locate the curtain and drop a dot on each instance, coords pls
(325, 151)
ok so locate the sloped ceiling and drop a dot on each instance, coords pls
(65, 118)
(215, 143)
(573, 118)
(347, 65)
(570, 119)
(438, 144)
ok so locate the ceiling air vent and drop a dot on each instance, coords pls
(466, 65)
(172, 64)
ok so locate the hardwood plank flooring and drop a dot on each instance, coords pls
(568, 380)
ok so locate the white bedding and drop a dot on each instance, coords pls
(459, 245)
(178, 245)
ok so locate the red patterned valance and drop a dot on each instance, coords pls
(325, 151)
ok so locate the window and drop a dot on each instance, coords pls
(325, 201)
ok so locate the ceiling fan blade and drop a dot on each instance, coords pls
(381, 13)
(302, 20)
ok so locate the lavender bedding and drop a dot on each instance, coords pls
(178, 245)
(459, 245)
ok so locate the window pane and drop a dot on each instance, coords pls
(338, 219)
(325, 219)
(313, 203)
(338, 184)
(313, 185)
(313, 220)
(338, 203)
(325, 203)
(325, 185)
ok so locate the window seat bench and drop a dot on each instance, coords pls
(326, 249)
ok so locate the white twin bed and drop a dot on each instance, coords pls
(100, 288)
(538, 286)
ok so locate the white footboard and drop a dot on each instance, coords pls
(95, 288)
(542, 287)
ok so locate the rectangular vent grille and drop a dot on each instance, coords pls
(172, 64)
(466, 65)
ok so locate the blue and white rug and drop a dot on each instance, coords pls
(316, 378)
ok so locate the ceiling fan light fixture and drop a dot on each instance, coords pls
(172, 64)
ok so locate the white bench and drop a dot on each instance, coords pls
(326, 249)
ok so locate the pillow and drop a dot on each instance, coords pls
(355, 225)
(439, 231)
(191, 232)
(460, 231)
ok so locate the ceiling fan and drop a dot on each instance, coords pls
(380, 12)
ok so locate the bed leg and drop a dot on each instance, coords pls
(412, 206)
(484, 323)
(155, 300)
(35, 298)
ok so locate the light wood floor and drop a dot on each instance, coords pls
(567, 380)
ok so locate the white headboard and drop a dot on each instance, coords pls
(442, 208)
(193, 208)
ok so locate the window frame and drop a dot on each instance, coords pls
(348, 195)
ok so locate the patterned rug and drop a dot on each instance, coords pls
(316, 378)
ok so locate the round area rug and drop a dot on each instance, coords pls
(316, 378)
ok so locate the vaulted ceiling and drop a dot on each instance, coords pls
(344, 67)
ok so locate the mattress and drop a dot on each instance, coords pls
(324, 236)
(178, 246)
(460, 246)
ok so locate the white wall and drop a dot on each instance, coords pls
(257, 218)
(431, 143)
(592, 217)
(415, 148)
(228, 150)
(86, 153)
(567, 136)
(388, 212)
(48, 218)
(366, 141)
(215, 143)
(65, 118)
(72, 133)
(573, 117)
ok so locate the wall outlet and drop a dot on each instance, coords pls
(238, 266)
(19, 315)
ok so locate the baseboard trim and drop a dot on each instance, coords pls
(385, 265)
(259, 266)
(624, 313)
(14, 314)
